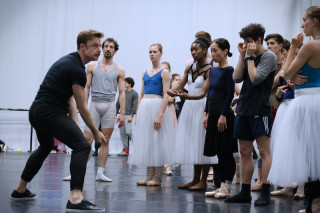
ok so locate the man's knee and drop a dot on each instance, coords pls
(264, 146)
(245, 149)
(245, 152)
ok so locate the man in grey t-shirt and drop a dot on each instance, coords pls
(256, 68)
(131, 108)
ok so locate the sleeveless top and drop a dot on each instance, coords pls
(313, 75)
(195, 85)
(104, 85)
(153, 84)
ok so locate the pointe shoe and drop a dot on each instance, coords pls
(256, 187)
(198, 187)
(302, 211)
(210, 171)
(224, 193)
(212, 194)
(298, 196)
(142, 182)
(167, 171)
(282, 192)
(210, 179)
(153, 183)
(186, 186)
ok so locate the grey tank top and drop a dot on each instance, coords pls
(104, 85)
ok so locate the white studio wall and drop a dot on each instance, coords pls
(35, 33)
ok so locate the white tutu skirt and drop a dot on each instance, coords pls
(295, 139)
(151, 147)
(191, 135)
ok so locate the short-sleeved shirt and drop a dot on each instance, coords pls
(56, 88)
(254, 96)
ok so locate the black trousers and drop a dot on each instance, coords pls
(227, 166)
(52, 122)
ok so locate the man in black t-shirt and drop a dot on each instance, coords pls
(48, 116)
(256, 68)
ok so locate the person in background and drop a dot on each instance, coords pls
(132, 98)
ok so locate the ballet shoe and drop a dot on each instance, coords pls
(212, 194)
(153, 183)
(186, 186)
(142, 182)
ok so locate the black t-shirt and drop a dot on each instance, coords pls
(56, 88)
(254, 97)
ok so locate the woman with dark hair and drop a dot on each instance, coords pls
(301, 120)
(219, 136)
(191, 134)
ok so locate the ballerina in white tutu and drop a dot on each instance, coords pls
(153, 139)
(300, 162)
(219, 135)
(191, 134)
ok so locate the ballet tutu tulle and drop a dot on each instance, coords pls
(219, 143)
(295, 139)
(191, 135)
(151, 147)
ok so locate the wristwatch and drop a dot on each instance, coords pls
(250, 58)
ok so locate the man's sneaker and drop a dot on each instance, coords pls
(27, 195)
(239, 198)
(125, 152)
(84, 206)
(68, 178)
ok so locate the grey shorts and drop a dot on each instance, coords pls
(104, 114)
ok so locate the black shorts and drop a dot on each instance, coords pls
(250, 128)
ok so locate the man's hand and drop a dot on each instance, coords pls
(242, 48)
(251, 49)
(99, 138)
(129, 119)
(120, 120)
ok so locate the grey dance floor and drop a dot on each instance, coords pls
(122, 195)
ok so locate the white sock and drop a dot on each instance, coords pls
(100, 171)
(101, 177)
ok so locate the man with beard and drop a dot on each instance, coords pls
(48, 116)
(103, 78)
